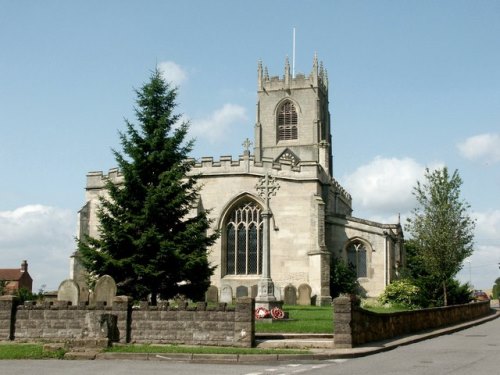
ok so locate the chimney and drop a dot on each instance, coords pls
(24, 266)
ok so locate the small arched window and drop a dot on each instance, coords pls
(287, 122)
(244, 240)
(357, 258)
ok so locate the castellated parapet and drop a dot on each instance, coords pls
(244, 165)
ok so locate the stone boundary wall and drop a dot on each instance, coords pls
(200, 325)
(355, 326)
(62, 322)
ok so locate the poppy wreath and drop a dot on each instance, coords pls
(277, 313)
(261, 313)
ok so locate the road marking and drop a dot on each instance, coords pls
(342, 360)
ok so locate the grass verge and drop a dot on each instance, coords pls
(27, 351)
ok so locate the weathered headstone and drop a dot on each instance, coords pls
(277, 293)
(241, 291)
(290, 295)
(212, 294)
(254, 290)
(304, 294)
(226, 294)
(105, 290)
(69, 291)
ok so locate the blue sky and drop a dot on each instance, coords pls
(413, 84)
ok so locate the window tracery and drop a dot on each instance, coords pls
(244, 240)
(357, 258)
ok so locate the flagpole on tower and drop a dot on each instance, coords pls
(293, 55)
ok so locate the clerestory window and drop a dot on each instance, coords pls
(287, 122)
(356, 256)
(244, 240)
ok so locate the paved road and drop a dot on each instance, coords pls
(472, 351)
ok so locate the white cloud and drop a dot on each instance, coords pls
(485, 147)
(172, 72)
(488, 226)
(220, 125)
(42, 235)
(484, 262)
(385, 185)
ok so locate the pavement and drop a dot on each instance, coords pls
(320, 347)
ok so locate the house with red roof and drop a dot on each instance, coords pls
(16, 278)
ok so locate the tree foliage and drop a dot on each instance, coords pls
(152, 238)
(496, 289)
(441, 227)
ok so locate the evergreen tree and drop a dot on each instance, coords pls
(441, 227)
(152, 239)
(343, 278)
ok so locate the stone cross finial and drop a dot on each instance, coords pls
(246, 144)
(267, 187)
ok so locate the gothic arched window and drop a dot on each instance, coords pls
(287, 122)
(244, 240)
(357, 258)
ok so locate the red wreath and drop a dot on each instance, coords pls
(261, 313)
(277, 313)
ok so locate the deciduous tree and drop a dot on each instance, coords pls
(441, 226)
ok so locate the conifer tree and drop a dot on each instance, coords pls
(441, 226)
(152, 238)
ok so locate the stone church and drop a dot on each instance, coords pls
(286, 180)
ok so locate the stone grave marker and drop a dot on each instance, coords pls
(241, 291)
(212, 294)
(105, 290)
(69, 291)
(254, 290)
(304, 295)
(290, 295)
(226, 294)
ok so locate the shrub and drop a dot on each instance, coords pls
(343, 278)
(401, 292)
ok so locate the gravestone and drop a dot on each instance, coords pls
(212, 294)
(241, 291)
(254, 290)
(69, 291)
(290, 295)
(226, 294)
(105, 290)
(277, 293)
(304, 295)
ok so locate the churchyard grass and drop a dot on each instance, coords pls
(27, 351)
(302, 319)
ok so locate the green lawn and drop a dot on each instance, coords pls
(26, 351)
(302, 319)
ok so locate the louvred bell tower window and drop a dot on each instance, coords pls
(287, 122)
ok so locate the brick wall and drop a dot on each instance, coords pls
(62, 322)
(356, 326)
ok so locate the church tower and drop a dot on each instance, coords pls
(293, 120)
